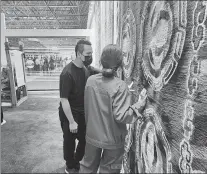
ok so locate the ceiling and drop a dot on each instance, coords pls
(45, 14)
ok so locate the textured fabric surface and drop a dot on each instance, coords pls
(175, 81)
(170, 62)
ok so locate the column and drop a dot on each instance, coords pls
(3, 28)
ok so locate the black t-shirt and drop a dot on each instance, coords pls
(72, 85)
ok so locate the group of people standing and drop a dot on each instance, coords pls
(40, 64)
(95, 106)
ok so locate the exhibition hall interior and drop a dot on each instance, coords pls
(164, 51)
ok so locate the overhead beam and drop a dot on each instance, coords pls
(40, 20)
(52, 13)
(59, 10)
(33, 33)
(36, 18)
(37, 22)
(41, 26)
(72, 18)
(79, 13)
(62, 15)
(23, 12)
(44, 27)
(49, 48)
(41, 6)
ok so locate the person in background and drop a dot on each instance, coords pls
(37, 64)
(41, 64)
(45, 64)
(51, 63)
(29, 65)
(2, 117)
(71, 110)
(108, 109)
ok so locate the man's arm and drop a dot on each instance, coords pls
(93, 70)
(67, 110)
(65, 89)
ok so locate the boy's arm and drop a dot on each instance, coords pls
(123, 111)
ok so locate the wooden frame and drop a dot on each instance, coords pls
(15, 100)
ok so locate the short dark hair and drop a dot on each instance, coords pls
(80, 45)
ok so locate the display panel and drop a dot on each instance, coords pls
(17, 64)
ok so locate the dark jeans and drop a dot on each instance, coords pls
(73, 155)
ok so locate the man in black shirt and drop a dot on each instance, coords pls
(71, 111)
